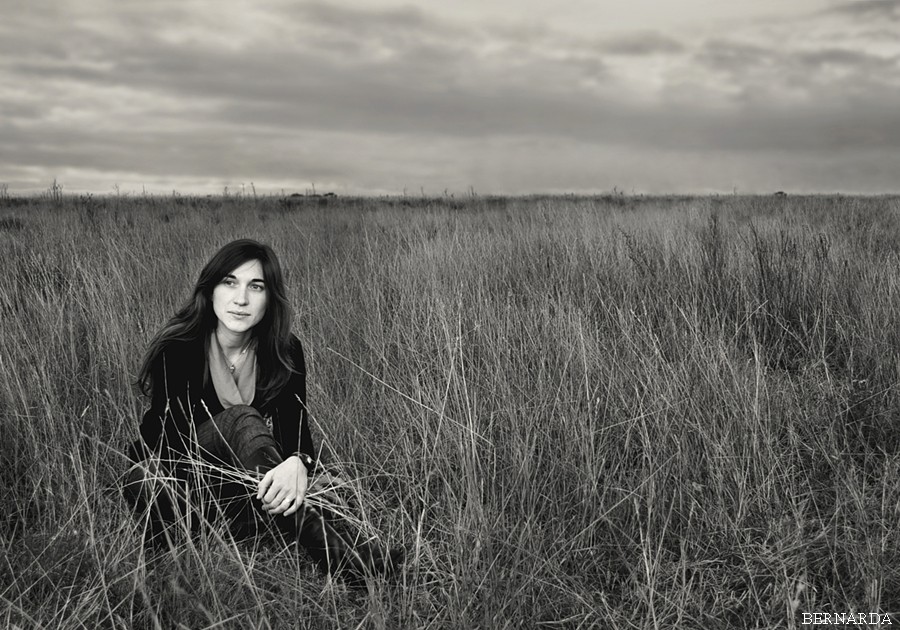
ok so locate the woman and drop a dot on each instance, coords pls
(227, 386)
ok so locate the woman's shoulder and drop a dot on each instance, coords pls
(174, 366)
(294, 381)
(180, 355)
(180, 349)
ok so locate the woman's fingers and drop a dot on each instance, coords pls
(282, 506)
(264, 485)
(279, 506)
(275, 495)
(286, 505)
(283, 488)
(283, 497)
(296, 503)
(294, 507)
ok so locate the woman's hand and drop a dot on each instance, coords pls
(283, 488)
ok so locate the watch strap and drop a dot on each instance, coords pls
(306, 460)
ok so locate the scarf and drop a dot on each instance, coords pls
(239, 387)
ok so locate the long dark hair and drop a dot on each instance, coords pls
(196, 319)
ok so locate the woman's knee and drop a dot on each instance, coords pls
(237, 413)
(242, 429)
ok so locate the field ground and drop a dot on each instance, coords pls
(609, 412)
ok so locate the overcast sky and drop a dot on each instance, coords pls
(502, 96)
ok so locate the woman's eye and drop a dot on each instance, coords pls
(228, 282)
(257, 287)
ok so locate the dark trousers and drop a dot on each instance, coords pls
(234, 448)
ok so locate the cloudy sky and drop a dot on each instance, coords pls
(495, 96)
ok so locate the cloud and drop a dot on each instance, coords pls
(640, 44)
(734, 56)
(337, 93)
(889, 9)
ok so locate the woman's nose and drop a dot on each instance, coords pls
(240, 296)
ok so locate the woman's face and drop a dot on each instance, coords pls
(239, 300)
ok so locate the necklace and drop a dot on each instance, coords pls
(240, 358)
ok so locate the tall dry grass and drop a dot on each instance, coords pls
(574, 412)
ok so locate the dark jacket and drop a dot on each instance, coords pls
(183, 394)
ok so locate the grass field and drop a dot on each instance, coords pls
(607, 412)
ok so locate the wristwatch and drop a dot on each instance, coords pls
(307, 461)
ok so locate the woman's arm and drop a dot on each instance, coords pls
(283, 488)
(164, 426)
(293, 433)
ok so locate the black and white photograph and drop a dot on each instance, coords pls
(338, 314)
